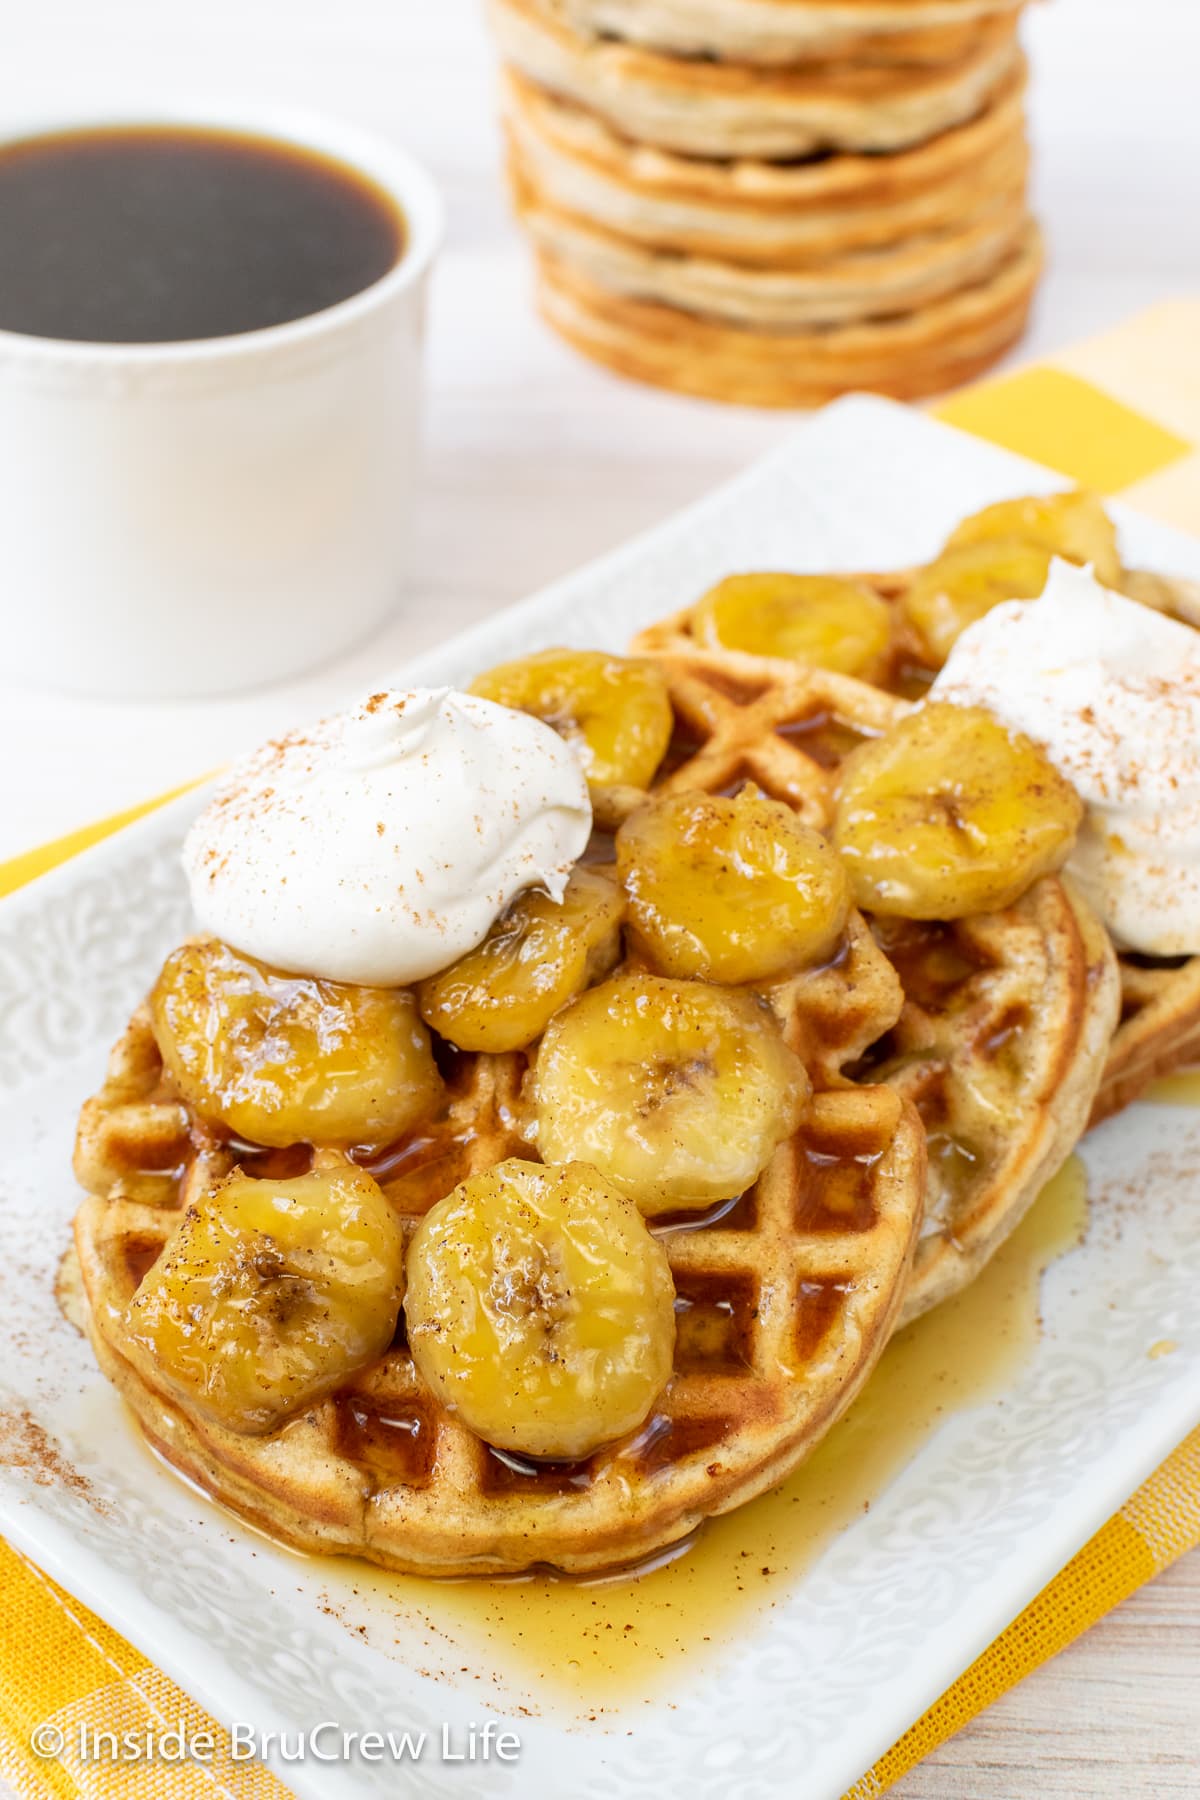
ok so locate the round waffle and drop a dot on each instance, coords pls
(947, 343)
(1158, 1024)
(864, 285)
(715, 109)
(1005, 1034)
(785, 1299)
(1159, 1030)
(1007, 1018)
(788, 31)
(774, 215)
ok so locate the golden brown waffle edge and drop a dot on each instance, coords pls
(788, 31)
(710, 108)
(908, 357)
(797, 1287)
(763, 214)
(1008, 1018)
(1157, 1029)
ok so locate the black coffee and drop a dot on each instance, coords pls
(156, 234)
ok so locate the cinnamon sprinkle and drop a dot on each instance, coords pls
(26, 1444)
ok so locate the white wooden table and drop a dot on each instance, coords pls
(538, 461)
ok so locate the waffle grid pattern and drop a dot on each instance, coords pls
(784, 1304)
(785, 1300)
(1006, 1019)
(1158, 1029)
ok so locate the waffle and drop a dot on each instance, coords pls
(1159, 1030)
(862, 286)
(788, 31)
(906, 672)
(876, 705)
(1158, 1026)
(763, 214)
(1007, 1018)
(908, 357)
(784, 1301)
(714, 109)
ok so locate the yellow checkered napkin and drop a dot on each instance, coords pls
(1151, 1531)
(65, 1674)
(1120, 414)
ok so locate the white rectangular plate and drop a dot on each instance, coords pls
(808, 1692)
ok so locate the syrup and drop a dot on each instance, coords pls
(608, 1639)
(1180, 1089)
(611, 1640)
(823, 737)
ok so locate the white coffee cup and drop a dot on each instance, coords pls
(193, 518)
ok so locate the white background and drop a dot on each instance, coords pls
(538, 461)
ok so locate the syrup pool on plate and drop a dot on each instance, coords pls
(1180, 1089)
(605, 1640)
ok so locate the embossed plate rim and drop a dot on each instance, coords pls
(255, 1651)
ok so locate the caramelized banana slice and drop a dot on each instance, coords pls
(951, 814)
(731, 890)
(540, 1309)
(616, 712)
(536, 956)
(282, 1059)
(966, 582)
(821, 619)
(271, 1293)
(1073, 525)
(677, 1091)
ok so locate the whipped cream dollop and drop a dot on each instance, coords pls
(1111, 691)
(380, 845)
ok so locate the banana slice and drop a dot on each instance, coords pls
(1073, 525)
(536, 956)
(730, 889)
(821, 619)
(966, 582)
(271, 1293)
(951, 814)
(615, 711)
(676, 1091)
(282, 1059)
(540, 1309)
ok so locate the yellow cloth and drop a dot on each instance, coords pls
(1120, 414)
(62, 1669)
(21, 869)
(1151, 1531)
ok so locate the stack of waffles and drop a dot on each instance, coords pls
(774, 201)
